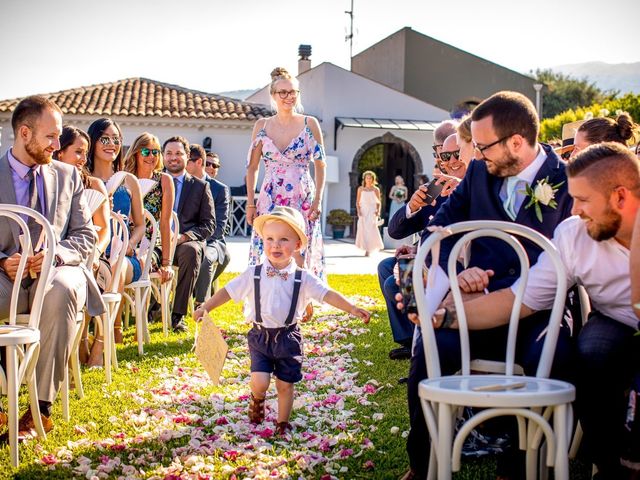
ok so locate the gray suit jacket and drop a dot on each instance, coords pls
(68, 214)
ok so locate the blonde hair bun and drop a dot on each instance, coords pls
(279, 73)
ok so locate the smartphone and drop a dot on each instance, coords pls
(405, 272)
(433, 191)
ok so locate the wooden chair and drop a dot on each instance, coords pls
(21, 337)
(532, 400)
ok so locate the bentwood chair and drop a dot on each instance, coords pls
(162, 291)
(141, 289)
(21, 337)
(533, 400)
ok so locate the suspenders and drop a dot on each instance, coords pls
(297, 281)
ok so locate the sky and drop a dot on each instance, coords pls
(223, 45)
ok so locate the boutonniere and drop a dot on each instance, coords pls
(542, 194)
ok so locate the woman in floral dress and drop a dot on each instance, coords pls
(288, 142)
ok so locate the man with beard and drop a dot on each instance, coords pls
(604, 181)
(29, 178)
(504, 128)
(194, 206)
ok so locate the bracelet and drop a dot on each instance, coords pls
(251, 206)
(165, 263)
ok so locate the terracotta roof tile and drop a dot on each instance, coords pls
(149, 98)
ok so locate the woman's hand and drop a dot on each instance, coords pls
(166, 273)
(252, 213)
(314, 213)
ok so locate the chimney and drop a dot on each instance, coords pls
(304, 62)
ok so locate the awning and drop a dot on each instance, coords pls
(382, 123)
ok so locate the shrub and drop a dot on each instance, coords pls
(339, 217)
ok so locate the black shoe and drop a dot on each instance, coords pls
(155, 314)
(403, 380)
(177, 323)
(401, 353)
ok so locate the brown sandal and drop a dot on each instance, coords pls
(283, 428)
(256, 409)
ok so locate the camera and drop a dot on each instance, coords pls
(405, 272)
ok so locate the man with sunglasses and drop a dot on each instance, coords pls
(216, 256)
(505, 130)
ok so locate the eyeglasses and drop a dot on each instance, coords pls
(482, 149)
(446, 156)
(435, 147)
(105, 140)
(145, 152)
(566, 155)
(285, 93)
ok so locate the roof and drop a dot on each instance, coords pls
(387, 124)
(141, 97)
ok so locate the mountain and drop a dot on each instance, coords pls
(238, 94)
(624, 77)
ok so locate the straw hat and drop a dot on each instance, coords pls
(288, 215)
(568, 134)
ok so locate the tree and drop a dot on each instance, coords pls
(563, 92)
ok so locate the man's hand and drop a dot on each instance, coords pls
(413, 317)
(361, 313)
(11, 266)
(183, 237)
(35, 263)
(406, 250)
(474, 279)
(419, 199)
(449, 183)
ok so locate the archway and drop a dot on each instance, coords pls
(387, 156)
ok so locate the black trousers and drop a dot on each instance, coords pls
(488, 345)
(608, 354)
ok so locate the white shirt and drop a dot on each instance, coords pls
(527, 175)
(601, 267)
(275, 294)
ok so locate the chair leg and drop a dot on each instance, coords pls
(74, 359)
(32, 385)
(139, 330)
(575, 444)
(445, 441)
(12, 394)
(562, 443)
(433, 463)
(108, 338)
(64, 394)
(164, 307)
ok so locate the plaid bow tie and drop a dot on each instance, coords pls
(272, 272)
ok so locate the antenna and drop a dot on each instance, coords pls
(350, 36)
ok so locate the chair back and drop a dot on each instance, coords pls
(175, 233)
(470, 231)
(119, 236)
(17, 213)
(147, 244)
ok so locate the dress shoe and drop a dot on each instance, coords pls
(400, 353)
(411, 475)
(27, 427)
(155, 314)
(177, 323)
(403, 380)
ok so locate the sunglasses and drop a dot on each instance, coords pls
(145, 152)
(566, 155)
(446, 156)
(285, 93)
(435, 147)
(212, 165)
(105, 140)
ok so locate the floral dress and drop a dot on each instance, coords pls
(287, 182)
(153, 202)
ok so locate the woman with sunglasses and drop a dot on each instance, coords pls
(74, 145)
(105, 159)
(287, 143)
(603, 129)
(144, 160)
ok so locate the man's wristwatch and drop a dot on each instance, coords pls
(448, 318)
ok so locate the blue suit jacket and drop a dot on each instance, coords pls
(222, 203)
(477, 198)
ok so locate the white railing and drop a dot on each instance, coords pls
(238, 216)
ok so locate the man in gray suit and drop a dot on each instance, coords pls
(28, 177)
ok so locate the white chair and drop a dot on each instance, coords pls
(162, 291)
(21, 337)
(111, 296)
(532, 400)
(141, 288)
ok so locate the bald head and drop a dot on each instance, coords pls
(445, 129)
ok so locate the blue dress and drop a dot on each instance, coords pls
(122, 205)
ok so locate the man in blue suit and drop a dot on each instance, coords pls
(505, 130)
(216, 256)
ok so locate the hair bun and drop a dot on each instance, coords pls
(626, 127)
(279, 72)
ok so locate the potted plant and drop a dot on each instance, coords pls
(339, 220)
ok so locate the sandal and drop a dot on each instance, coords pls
(256, 409)
(283, 428)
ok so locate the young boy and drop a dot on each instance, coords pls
(277, 293)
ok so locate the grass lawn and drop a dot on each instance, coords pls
(161, 418)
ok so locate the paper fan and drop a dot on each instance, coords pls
(146, 185)
(94, 199)
(211, 349)
(115, 181)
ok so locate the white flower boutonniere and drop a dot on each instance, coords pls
(542, 194)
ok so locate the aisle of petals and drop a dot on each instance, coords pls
(185, 429)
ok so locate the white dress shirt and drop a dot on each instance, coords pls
(527, 175)
(275, 294)
(601, 267)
